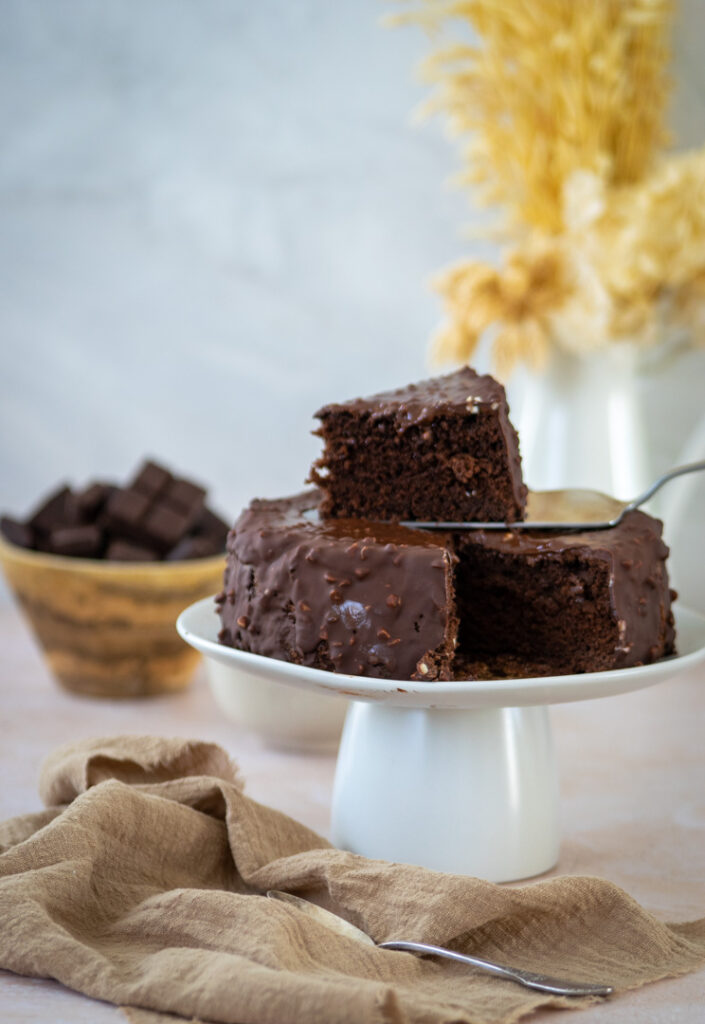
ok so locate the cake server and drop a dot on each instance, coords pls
(569, 509)
(540, 982)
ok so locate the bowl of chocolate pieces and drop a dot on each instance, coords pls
(101, 574)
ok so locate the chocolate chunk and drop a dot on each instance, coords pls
(125, 509)
(165, 525)
(80, 541)
(193, 547)
(16, 532)
(151, 479)
(84, 506)
(51, 514)
(185, 495)
(126, 551)
(210, 525)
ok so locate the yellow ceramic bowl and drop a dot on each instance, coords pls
(107, 628)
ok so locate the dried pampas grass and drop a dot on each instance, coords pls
(560, 109)
(556, 86)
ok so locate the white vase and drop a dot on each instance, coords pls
(581, 423)
(614, 421)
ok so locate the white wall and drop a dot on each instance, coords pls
(214, 217)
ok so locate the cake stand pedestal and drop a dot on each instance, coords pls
(456, 776)
(472, 792)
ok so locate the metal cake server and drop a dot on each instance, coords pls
(540, 982)
(570, 509)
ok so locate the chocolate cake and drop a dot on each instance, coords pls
(387, 601)
(440, 450)
(345, 595)
(534, 604)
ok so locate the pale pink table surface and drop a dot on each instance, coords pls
(632, 786)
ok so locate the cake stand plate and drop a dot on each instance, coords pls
(459, 777)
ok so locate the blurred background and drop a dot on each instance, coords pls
(216, 216)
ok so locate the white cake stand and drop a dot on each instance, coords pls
(459, 777)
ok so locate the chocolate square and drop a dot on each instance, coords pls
(165, 525)
(84, 506)
(193, 547)
(51, 514)
(125, 509)
(79, 541)
(212, 526)
(16, 532)
(151, 479)
(126, 551)
(185, 495)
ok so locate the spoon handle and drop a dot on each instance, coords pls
(691, 467)
(541, 982)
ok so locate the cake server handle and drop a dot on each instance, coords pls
(569, 509)
(540, 982)
(691, 467)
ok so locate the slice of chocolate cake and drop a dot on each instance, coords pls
(443, 449)
(344, 595)
(550, 604)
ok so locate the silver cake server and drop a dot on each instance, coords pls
(570, 509)
(529, 979)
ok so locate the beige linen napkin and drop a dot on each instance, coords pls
(142, 885)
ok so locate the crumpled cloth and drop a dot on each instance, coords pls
(142, 884)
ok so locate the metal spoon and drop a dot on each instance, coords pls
(540, 982)
(570, 509)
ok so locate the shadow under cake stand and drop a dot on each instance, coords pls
(458, 776)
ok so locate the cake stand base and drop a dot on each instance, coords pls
(472, 792)
(459, 775)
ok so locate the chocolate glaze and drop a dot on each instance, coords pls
(461, 394)
(419, 403)
(635, 555)
(348, 595)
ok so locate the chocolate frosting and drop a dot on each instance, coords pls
(348, 595)
(420, 403)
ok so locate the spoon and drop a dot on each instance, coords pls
(570, 509)
(540, 982)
